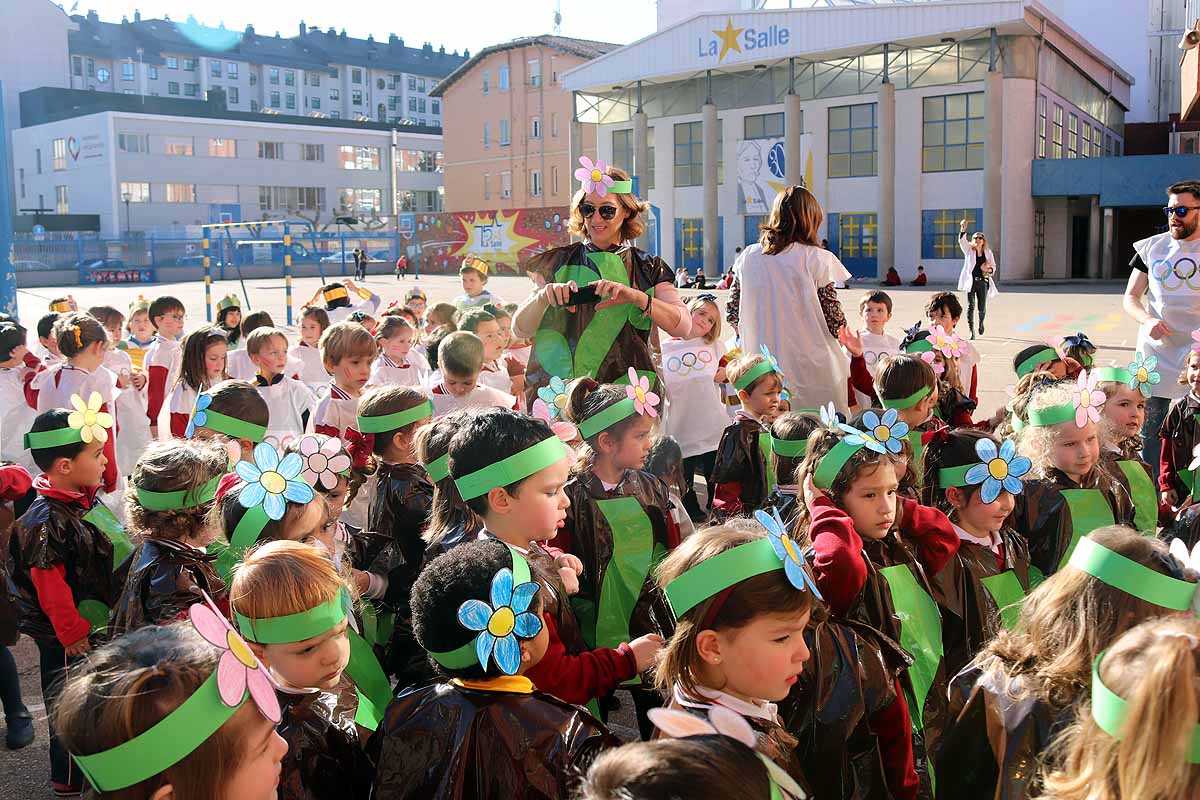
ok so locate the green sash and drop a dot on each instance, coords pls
(920, 633)
(1006, 590)
(914, 440)
(367, 715)
(363, 668)
(104, 520)
(764, 450)
(377, 625)
(1145, 499)
(1089, 511)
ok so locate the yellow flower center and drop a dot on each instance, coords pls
(597, 176)
(560, 401)
(1142, 375)
(1085, 399)
(882, 433)
(89, 417)
(641, 395)
(789, 547)
(502, 622)
(240, 651)
(273, 482)
(998, 468)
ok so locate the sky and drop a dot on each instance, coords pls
(456, 24)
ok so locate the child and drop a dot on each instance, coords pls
(1079, 348)
(168, 502)
(460, 360)
(741, 601)
(908, 385)
(346, 351)
(921, 278)
(1040, 358)
(876, 310)
(486, 691)
(397, 363)
(64, 305)
(788, 438)
(292, 403)
(1014, 415)
(442, 315)
(892, 278)
(201, 368)
(238, 363)
(1028, 683)
(416, 301)
(231, 411)
(291, 607)
(83, 342)
(364, 319)
(229, 319)
(474, 276)
(45, 332)
(739, 478)
(451, 521)
(1180, 433)
(62, 562)
(163, 357)
(15, 414)
(942, 350)
(1125, 391)
(520, 349)
(130, 402)
(1136, 737)
(695, 413)
(313, 324)
(113, 704)
(141, 333)
(498, 372)
(665, 462)
(1068, 493)
(336, 299)
(945, 310)
(974, 479)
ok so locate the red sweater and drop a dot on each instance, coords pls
(53, 593)
(580, 678)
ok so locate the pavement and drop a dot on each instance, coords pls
(1020, 316)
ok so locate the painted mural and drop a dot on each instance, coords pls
(504, 239)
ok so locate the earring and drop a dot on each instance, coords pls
(717, 660)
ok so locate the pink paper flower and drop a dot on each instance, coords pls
(324, 460)
(946, 343)
(928, 357)
(1196, 340)
(594, 176)
(638, 390)
(238, 670)
(562, 429)
(1088, 399)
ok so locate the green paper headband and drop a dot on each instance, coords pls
(832, 463)
(59, 437)
(439, 468)
(714, 575)
(622, 409)
(294, 627)
(621, 187)
(246, 532)
(907, 402)
(742, 383)
(394, 422)
(467, 655)
(232, 426)
(955, 476)
(1117, 374)
(920, 346)
(789, 448)
(1131, 577)
(1110, 711)
(1041, 356)
(508, 471)
(179, 500)
(1051, 415)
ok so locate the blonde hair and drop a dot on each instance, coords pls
(460, 354)
(1155, 669)
(739, 367)
(258, 338)
(280, 578)
(697, 303)
(1036, 442)
(631, 227)
(172, 466)
(796, 216)
(1016, 408)
(345, 340)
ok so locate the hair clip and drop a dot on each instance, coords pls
(78, 335)
(638, 390)
(707, 297)
(1081, 340)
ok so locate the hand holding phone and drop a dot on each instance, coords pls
(583, 296)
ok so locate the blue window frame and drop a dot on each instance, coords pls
(939, 230)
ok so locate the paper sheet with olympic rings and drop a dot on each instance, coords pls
(684, 360)
(1173, 291)
(695, 413)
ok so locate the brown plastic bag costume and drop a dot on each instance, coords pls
(739, 459)
(326, 757)
(164, 579)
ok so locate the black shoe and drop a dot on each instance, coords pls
(20, 731)
(981, 328)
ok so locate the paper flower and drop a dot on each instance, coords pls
(929, 357)
(638, 390)
(766, 353)
(270, 481)
(1142, 374)
(324, 460)
(681, 724)
(829, 417)
(788, 550)
(1191, 560)
(1196, 340)
(199, 414)
(88, 419)
(1088, 399)
(883, 434)
(500, 623)
(948, 344)
(238, 669)
(594, 176)
(998, 470)
(562, 429)
(554, 394)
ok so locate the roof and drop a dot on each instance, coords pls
(52, 104)
(583, 48)
(391, 55)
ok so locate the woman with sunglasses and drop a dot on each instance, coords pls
(978, 275)
(602, 286)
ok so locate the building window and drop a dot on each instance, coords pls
(1056, 142)
(316, 103)
(291, 198)
(1041, 126)
(487, 186)
(421, 85)
(412, 104)
(421, 105)
(852, 152)
(647, 180)
(689, 153)
(289, 77)
(273, 76)
(61, 205)
(764, 126)
(189, 64)
(622, 150)
(487, 135)
(335, 114)
(312, 152)
(361, 201)
(77, 66)
(231, 69)
(102, 75)
(485, 82)
(172, 62)
(271, 150)
(939, 230)
(435, 107)
(535, 72)
(172, 87)
(178, 146)
(535, 128)
(233, 96)
(191, 89)
(1085, 141)
(253, 106)
(1072, 136)
(334, 95)
(126, 70)
(1097, 136)
(37, 153)
(535, 183)
(952, 133)
(222, 148)
(214, 68)
(274, 99)
(420, 160)
(137, 191)
(505, 184)
(356, 97)
(181, 192)
(554, 125)
(858, 236)
(60, 155)
(253, 79)
(152, 73)
(133, 142)
(505, 133)
(502, 79)
(21, 180)
(356, 75)
(352, 157)
(314, 80)
(290, 100)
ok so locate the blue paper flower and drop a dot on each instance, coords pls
(788, 550)
(1142, 374)
(829, 417)
(554, 395)
(766, 353)
(199, 415)
(270, 482)
(502, 622)
(997, 471)
(883, 435)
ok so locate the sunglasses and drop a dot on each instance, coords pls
(1179, 211)
(606, 212)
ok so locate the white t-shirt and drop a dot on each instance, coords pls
(1174, 297)
(695, 412)
(876, 346)
(288, 399)
(480, 397)
(16, 418)
(312, 369)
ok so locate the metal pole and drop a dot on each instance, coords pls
(208, 317)
(287, 269)
(8, 278)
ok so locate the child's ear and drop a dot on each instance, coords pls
(499, 500)
(401, 441)
(62, 466)
(956, 496)
(166, 792)
(744, 396)
(708, 645)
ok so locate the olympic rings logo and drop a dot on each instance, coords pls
(1171, 275)
(873, 358)
(688, 363)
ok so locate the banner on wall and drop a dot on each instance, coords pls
(762, 172)
(504, 239)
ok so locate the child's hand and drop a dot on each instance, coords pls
(79, 648)
(720, 377)
(570, 580)
(851, 340)
(811, 493)
(362, 581)
(1170, 498)
(570, 562)
(645, 650)
(139, 381)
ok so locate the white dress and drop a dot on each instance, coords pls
(480, 397)
(312, 371)
(133, 426)
(385, 372)
(16, 418)
(780, 308)
(1174, 297)
(695, 414)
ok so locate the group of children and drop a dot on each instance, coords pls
(358, 566)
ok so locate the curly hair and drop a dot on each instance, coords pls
(1036, 442)
(171, 466)
(633, 225)
(1018, 405)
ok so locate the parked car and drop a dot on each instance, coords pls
(100, 263)
(29, 265)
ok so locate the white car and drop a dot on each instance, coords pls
(29, 265)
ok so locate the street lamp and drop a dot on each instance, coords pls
(125, 196)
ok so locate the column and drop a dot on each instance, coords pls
(993, 151)
(1094, 239)
(793, 128)
(711, 233)
(885, 132)
(1107, 243)
(641, 160)
(575, 137)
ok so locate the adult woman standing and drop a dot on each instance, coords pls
(978, 275)
(786, 290)
(607, 330)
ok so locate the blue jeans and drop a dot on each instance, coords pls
(1156, 412)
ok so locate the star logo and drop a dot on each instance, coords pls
(729, 38)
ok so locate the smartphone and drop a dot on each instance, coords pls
(584, 296)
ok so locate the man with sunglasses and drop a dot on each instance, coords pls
(1163, 297)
